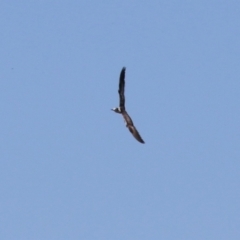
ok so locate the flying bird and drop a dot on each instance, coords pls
(121, 109)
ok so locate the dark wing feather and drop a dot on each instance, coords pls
(121, 88)
(127, 118)
(135, 133)
(131, 127)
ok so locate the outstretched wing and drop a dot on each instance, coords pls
(135, 133)
(121, 88)
(131, 127)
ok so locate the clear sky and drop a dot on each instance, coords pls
(70, 169)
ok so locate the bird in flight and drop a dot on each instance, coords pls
(121, 109)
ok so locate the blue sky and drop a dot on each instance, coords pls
(69, 168)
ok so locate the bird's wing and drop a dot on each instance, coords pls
(127, 118)
(121, 88)
(135, 133)
(131, 127)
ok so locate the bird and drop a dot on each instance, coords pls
(122, 110)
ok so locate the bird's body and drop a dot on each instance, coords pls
(121, 109)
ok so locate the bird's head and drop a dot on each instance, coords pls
(117, 110)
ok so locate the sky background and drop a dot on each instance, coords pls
(70, 169)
